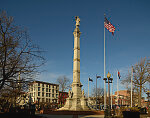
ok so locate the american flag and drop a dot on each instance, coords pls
(109, 26)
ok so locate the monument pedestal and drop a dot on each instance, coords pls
(76, 102)
(84, 104)
(76, 105)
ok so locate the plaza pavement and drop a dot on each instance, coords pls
(79, 116)
(70, 116)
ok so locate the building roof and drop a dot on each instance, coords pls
(44, 83)
(63, 92)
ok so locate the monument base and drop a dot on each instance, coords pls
(76, 104)
(68, 104)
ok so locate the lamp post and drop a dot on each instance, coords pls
(89, 79)
(108, 80)
(38, 102)
(148, 97)
(96, 89)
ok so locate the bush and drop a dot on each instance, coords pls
(127, 112)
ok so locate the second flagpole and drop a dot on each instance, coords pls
(104, 72)
(88, 91)
(117, 90)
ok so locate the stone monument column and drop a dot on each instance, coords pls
(76, 61)
(76, 85)
(76, 100)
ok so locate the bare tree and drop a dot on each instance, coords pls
(64, 83)
(140, 77)
(100, 95)
(17, 53)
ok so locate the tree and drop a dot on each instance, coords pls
(64, 83)
(17, 53)
(141, 76)
(100, 95)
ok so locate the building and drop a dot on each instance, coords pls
(23, 99)
(123, 97)
(44, 92)
(62, 98)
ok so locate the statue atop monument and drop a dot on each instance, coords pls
(77, 20)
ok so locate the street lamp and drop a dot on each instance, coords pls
(108, 80)
(96, 89)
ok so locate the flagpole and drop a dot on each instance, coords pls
(96, 91)
(104, 72)
(111, 28)
(111, 92)
(131, 84)
(117, 89)
(88, 91)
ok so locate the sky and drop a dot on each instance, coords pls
(50, 24)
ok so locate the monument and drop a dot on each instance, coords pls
(76, 100)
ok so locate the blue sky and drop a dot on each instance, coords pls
(50, 24)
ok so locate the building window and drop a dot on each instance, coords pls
(43, 100)
(49, 100)
(56, 91)
(46, 85)
(56, 95)
(49, 95)
(46, 99)
(53, 86)
(38, 93)
(49, 90)
(43, 94)
(46, 94)
(38, 88)
(42, 89)
(38, 84)
(52, 90)
(46, 89)
(49, 86)
(52, 95)
(42, 85)
(38, 100)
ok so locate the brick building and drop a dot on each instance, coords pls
(123, 97)
(62, 98)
